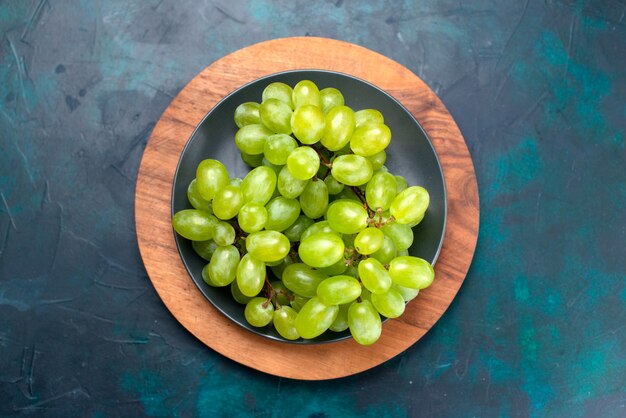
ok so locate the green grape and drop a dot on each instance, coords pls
(280, 267)
(339, 124)
(364, 116)
(303, 163)
(237, 295)
(294, 232)
(387, 252)
(402, 252)
(204, 249)
(268, 246)
(298, 302)
(223, 233)
(322, 249)
(251, 138)
(409, 205)
(370, 138)
(235, 181)
(281, 213)
(196, 200)
(333, 186)
(305, 93)
(336, 269)
(330, 97)
(321, 226)
(250, 275)
(205, 276)
(315, 317)
(289, 186)
(401, 183)
(285, 322)
(302, 279)
(364, 322)
(259, 312)
(211, 175)
(247, 114)
(278, 147)
(281, 296)
(378, 160)
(314, 199)
(338, 290)
(407, 293)
(265, 162)
(402, 235)
(390, 304)
(252, 217)
(347, 216)
(223, 265)
(369, 240)
(412, 272)
(347, 194)
(380, 191)
(227, 202)
(374, 276)
(194, 224)
(276, 116)
(352, 170)
(258, 185)
(308, 123)
(252, 160)
(341, 321)
(280, 91)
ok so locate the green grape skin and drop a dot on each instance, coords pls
(302, 280)
(321, 226)
(252, 217)
(265, 162)
(400, 253)
(347, 216)
(278, 147)
(281, 213)
(247, 114)
(308, 124)
(387, 252)
(314, 199)
(206, 277)
(339, 123)
(294, 232)
(364, 322)
(259, 185)
(237, 295)
(227, 202)
(276, 116)
(369, 240)
(401, 183)
(211, 175)
(280, 91)
(303, 162)
(347, 194)
(268, 246)
(251, 138)
(370, 138)
(223, 233)
(378, 160)
(279, 268)
(412, 272)
(252, 160)
(409, 205)
(336, 269)
(330, 98)
(196, 200)
(235, 181)
(298, 302)
(366, 294)
(338, 290)
(341, 321)
(285, 322)
(289, 186)
(407, 293)
(281, 293)
(348, 240)
(204, 249)
(194, 224)
(402, 235)
(321, 249)
(223, 265)
(305, 92)
(352, 271)
(333, 186)
(364, 116)
(374, 276)
(352, 169)
(380, 191)
(315, 317)
(390, 304)
(250, 275)
(259, 312)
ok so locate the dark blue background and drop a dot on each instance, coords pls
(538, 89)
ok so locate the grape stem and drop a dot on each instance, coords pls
(269, 293)
(324, 161)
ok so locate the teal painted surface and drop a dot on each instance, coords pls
(537, 88)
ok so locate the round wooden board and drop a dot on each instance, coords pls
(153, 203)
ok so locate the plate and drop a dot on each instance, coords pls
(411, 154)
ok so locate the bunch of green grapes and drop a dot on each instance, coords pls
(319, 209)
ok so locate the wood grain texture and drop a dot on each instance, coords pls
(156, 239)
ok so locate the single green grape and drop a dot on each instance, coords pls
(258, 185)
(280, 91)
(402, 235)
(205, 276)
(237, 295)
(302, 279)
(335, 269)
(347, 216)
(223, 233)
(281, 213)
(259, 312)
(285, 322)
(252, 217)
(268, 246)
(378, 160)
(390, 304)
(330, 98)
(380, 191)
(223, 265)
(250, 275)
(341, 321)
(294, 232)
(322, 249)
(251, 138)
(276, 116)
(194, 224)
(412, 272)
(315, 317)
(196, 200)
(303, 162)
(333, 186)
(321, 226)
(211, 175)
(314, 199)
(374, 276)
(370, 138)
(407, 293)
(308, 124)
(247, 114)
(369, 240)
(364, 322)
(289, 186)
(352, 169)
(364, 116)
(305, 92)
(387, 251)
(204, 249)
(338, 290)
(401, 183)
(227, 202)
(278, 147)
(339, 123)
(409, 205)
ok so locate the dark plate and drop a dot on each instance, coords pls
(410, 154)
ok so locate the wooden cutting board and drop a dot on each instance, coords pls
(153, 203)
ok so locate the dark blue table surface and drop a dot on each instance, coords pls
(538, 89)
